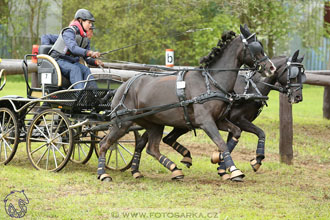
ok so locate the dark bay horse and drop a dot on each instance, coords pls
(289, 75)
(145, 92)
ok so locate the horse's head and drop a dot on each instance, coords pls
(291, 76)
(254, 55)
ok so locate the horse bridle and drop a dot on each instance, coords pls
(295, 71)
(254, 47)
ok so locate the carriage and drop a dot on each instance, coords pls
(75, 120)
(59, 123)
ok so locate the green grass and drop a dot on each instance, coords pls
(277, 191)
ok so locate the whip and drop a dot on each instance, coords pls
(146, 41)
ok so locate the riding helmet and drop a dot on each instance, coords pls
(84, 14)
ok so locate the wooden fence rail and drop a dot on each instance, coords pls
(126, 71)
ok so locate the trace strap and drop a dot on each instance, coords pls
(180, 91)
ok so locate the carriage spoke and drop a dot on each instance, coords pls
(58, 151)
(58, 126)
(46, 125)
(42, 155)
(109, 157)
(121, 155)
(8, 124)
(47, 158)
(54, 157)
(40, 131)
(5, 148)
(64, 132)
(7, 131)
(82, 149)
(62, 143)
(128, 151)
(38, 139)
(8, 145)
(38, 148)
(51, 125)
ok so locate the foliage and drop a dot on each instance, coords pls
(137, 21)
(165, 22)
(21, 25)
(276, 22)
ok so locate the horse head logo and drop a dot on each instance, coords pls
(15, 204)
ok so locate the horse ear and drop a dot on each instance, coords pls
(295, 56)
(299, 60)
(246, 28)
(245, 31)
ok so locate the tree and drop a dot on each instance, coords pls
(276, 21)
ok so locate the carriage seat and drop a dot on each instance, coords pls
(49, 72)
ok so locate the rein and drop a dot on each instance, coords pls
(221, 95)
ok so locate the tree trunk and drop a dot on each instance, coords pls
(270, 46)
(286, 130)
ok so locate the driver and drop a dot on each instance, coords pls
(72, 44)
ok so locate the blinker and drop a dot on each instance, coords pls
(294, 71)
(255, 47)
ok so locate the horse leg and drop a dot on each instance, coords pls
(248, 126)
(114, 134)
(140, 145)
(211, 130)
(170, 140)
(155, 135)
(232, 140)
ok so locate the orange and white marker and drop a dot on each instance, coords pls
(169, 58)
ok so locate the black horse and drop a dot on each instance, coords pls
(289, 75)
(206, 97)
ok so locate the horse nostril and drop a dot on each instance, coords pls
(272, 68)
(298, 98)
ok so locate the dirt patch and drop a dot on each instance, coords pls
(245, 155)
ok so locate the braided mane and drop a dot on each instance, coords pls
(226, 38)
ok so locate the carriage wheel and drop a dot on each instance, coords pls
(84, 144)
(8, 135)
(120, 155)
(49, 141)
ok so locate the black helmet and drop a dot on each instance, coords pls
(84, 14)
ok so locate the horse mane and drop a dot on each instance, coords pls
(225, 40)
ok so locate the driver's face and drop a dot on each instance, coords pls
(87, 24)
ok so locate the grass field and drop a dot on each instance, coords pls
(276, 191)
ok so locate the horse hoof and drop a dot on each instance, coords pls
(178, 178)
(137, 175)
(215, 157)
(177, 175)
(236, 175)
(105, 178)
(187, 161)
(224, 176)
(255, 165)
(237, 179)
